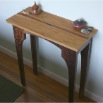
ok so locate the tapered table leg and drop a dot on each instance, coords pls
(34, 53)
(84, 69)
(70, 58)
(19, 36)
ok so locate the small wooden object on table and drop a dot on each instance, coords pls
(61, 33)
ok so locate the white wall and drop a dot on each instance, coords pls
(50, 55)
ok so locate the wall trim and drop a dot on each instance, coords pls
(52, 75)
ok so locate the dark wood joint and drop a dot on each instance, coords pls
(68, 55)
(19, 35)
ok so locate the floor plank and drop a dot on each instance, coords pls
(39, 88)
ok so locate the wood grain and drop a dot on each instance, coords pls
(58, 22)
(39, 88)
(47, 32)
(52, 28)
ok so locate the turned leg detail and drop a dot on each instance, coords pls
(34, 53)
(20, 36)
(70, 58)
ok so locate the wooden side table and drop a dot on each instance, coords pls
(58, 31)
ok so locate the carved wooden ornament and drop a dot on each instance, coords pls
(19, 35)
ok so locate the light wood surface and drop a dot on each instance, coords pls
(52, 28)
(58, 22)
(39, 88)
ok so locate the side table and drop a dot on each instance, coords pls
(58, 31)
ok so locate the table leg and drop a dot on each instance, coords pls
(19, 36)
(34, 53)
(70, 58)
(84, 64)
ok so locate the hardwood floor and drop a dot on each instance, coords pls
(39, 88)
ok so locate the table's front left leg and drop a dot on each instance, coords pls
(19, 36)
(70, 58)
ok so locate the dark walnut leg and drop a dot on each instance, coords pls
(20, 36)
(84, 64)
(70, 58)
(34, 53)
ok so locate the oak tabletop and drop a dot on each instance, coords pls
(53, 28)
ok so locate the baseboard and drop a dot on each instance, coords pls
(8, 52)
(14, 55)
(52, 75)
(91, 95)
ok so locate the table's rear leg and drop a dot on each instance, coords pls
(19, 36)
(84, 69)
(34, 53)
